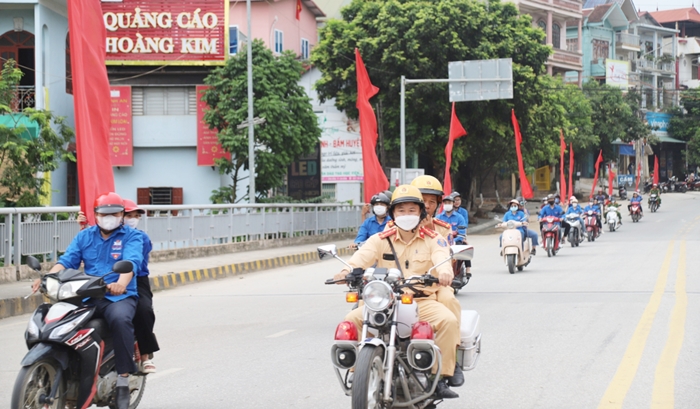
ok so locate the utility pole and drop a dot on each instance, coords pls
(251, 129)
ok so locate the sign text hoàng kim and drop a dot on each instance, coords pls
(141, 30)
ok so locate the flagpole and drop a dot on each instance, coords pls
(251, 129)
(403, 129)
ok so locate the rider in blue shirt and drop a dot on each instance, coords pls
(457, 197)
(636, 198)
(574, 208)
(453, 218)
(553, 209)
(592, 205)
(517, 214)
(376, 223)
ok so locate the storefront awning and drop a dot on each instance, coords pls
(18, 121)
(667, 139)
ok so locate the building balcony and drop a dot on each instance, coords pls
(598, 67)
(566, 60)
(25, 97)
(627, 41)
(644, 64)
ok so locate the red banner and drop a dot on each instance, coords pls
(121, 139)
(525, 187)
(456, 131)
(597, 169)
(562, 181)
(193, 32)
(571, 170)
(208, 146)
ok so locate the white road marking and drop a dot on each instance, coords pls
(281, 333)
(163, 373)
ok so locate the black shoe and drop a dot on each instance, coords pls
(123, 397)
(457, 379)
(443, 391)
(534, 251)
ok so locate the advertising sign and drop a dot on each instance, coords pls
(617, 73)
(341, 149)
(304, 176)
(157, 32)
(659, 122)
(121, 137)
(625, 180)
(208, 146)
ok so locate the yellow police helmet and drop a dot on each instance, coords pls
(407, 194)
(428, 185)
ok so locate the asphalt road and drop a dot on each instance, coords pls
(611, 324)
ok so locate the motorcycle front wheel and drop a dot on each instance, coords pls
(136, 394)
(572, 238)
(34, 382)
(550, 246)
(368, 383)
(590, 235)
(612, 227)
(511, 263)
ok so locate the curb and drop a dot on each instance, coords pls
(11, 307)
(482, 227)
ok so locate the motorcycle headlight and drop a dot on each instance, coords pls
(377, 295)
(69, 326)
(32, 328)
(70, 289)
(52, 286)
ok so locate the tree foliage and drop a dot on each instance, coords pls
(22, 157)
(418, 38)
(685, 123)
(290, 130)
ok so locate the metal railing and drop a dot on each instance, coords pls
(627, 39)
(25, 97)
(47, 231)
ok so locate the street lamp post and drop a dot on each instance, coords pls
(251, 131)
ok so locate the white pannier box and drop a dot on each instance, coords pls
(470, 346)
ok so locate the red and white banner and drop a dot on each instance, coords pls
(208, 146)
(121, 136)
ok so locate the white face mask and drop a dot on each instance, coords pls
(448, 207)
(379, 210)
(407, 223)
(108, 223)
(132, 222)
(514, 209)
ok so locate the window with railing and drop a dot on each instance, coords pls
(556, 36)
(572, 44)
(601, 49)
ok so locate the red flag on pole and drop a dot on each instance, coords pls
(91, 100)
(525, 188)
(656, 169)
(639, 173)
(299, 9)
(571, 170)
(611, 178)
(562, 181)
(375, 179)
(456, 131)
(597, 169)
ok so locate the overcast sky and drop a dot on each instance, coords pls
(652, 5)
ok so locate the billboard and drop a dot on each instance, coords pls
(157, 32)
(659, 122)
(121, 139)
(341, 149)
(617, 73)
(304, 176)
(209, 148)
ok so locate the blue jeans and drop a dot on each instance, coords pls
(533, 236)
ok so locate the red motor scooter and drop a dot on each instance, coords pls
(590, 219)
(550, 234)
(636, 212)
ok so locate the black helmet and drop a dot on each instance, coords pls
(380, 198)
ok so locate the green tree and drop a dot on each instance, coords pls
(418, 38)
(23, 155)
(615, 116)
(290, 129)
(685, 123)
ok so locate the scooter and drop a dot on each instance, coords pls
(516, 252)
(611, 217)
(653, 203)
(636, 212)
(461, 276)
(591, 222)
(622, 192)
(576, 229)
(550, 235)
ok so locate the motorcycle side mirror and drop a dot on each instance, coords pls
(327, 251)
(33, 263)
(123, 267)
(462, 252)
(439, 264)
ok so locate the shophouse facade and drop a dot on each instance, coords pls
(687, 22)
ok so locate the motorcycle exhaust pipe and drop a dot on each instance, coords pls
(344, 354)
(421, 355)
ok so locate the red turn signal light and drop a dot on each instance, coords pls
(346, 331)
(422, 330)
(406, 298)
(351, 297)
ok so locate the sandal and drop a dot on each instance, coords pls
(148, 367)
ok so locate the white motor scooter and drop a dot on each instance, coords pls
(515, 252)
(576, 235)
(611, 218)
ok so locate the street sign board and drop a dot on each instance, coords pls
(483, 80)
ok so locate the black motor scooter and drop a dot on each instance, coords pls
(70, 362)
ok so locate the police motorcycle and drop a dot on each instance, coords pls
(653, 202)
(393, 368)
(70, 363)
(576, 235)
(611, 218)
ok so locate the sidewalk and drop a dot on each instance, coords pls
(168, 274)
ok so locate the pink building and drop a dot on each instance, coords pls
(275, 22)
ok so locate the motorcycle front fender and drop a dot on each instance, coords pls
(373, 341)
(45, 350)
(510, 250)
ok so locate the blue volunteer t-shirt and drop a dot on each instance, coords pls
(147, 247)
(99, 255)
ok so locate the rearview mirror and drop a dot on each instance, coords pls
(33, 263)
(123, 267)
(327, 251)
(462, 252)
